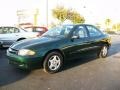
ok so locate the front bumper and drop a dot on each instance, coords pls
(24, 62)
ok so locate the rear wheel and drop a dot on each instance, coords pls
(103, 52)
(53, 62)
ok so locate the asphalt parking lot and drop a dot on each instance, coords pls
(89, 73)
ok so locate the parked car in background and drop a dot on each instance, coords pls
(58, 45)
(9, 35)
(39, 29)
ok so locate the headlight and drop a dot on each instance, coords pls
(26, 52)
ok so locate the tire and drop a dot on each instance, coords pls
(103, 52)
(1, 46)
(21, 39)
(53, 62)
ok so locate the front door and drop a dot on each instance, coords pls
(79, 43)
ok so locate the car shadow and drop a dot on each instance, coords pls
(77, 62)
(9, 74)
(114, 49)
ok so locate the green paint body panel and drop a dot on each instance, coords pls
(69, 48)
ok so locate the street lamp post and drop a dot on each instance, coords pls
(47, 13)
(36, 13)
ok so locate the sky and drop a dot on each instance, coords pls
(93, 10)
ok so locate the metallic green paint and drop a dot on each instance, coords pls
(70, 48)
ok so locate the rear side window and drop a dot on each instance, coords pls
(93, 31)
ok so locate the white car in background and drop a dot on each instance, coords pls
(9, 35)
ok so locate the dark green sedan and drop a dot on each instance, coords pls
(58, 45)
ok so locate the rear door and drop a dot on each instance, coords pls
(95, 38)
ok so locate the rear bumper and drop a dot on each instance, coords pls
(24, 62)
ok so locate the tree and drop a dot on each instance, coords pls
(116, 27)
(98, 25)
(75, 17)
(108, 22)
(62, 14)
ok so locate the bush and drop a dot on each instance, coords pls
(110, 32)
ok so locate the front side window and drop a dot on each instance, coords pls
(93, 31)
(5, 30)
(80, 32)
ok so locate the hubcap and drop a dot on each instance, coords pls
(104, 51)
(54, 62)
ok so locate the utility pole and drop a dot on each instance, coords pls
(47, 13)
(36, 17)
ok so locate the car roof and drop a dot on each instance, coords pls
(75, 24)
(13, 27)
(8, 26)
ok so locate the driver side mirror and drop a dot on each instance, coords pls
(74, 37)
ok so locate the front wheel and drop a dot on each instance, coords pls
(21, 39)
(53, 62)
(103, 52)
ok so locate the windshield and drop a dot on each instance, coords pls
(59, 31)
(23, 30)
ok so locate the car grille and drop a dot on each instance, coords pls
(13, 51)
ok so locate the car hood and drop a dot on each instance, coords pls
(32, 42)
